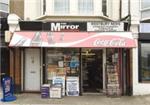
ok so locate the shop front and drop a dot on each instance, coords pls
(99, 62)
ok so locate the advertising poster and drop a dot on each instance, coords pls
(72, 86)
(60, 80)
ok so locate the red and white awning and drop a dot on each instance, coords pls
(73, 39)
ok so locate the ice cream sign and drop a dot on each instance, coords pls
(73, 39)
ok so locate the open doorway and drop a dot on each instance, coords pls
(92, 70)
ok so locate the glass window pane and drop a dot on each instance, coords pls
(145, 61)
(4, 1)
(85, 6)
(145, 4)
(4, 7)
(62, 62)
(61, 6)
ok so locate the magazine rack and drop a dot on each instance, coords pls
(112, 80)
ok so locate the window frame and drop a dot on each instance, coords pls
(64, 11)
(140, 61)
(86, 11)
(6, 7)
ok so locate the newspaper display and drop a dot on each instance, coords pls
(72, 86)
(60, 80)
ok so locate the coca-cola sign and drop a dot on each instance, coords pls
(113, 42)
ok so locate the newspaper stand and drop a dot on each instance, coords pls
(8, 89)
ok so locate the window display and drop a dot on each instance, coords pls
(62, 62)
(112, 73)
(145, 62)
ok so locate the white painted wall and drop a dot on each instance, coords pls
(98, 8)
(73, 7)
(113, 8)
(32, 9)
(135, 11)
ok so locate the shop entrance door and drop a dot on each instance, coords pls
(32, 69)
(92, 72)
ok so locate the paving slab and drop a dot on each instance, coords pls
(35, 99)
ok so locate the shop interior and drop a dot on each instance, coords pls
(92, 70)
(87, 64)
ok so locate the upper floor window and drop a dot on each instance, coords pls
(85, 6)
(61, 6)
(4, 5)
(145, 4)
(104, 7)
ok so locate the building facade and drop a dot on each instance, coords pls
(46, 49)
(144, 48)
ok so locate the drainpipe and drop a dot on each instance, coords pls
(129, 15)
(120, 9)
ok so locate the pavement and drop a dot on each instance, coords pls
(35, 99)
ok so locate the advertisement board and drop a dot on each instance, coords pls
(74, 39)
(72, 86)
(105, 26)
(8, 91)
(60, 80)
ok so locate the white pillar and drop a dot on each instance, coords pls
(135, 68)
(135, 20)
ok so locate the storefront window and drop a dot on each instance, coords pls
(112, 55)
(145, 62)
(62, 62)
(112, 72)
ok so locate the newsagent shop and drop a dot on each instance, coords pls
(85, 57)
